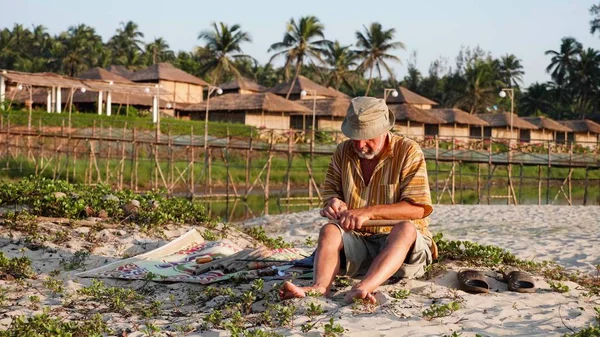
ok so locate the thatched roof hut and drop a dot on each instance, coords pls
(581, 126)
(407, 112)
(303, 83)
(98, 73)
(546, 123)
(165, 71)
(242, 85)
(457, 116)
(41, 83)
(120, 70)
(267, 102)
(406, 96)
(503, 120)
(263, 110)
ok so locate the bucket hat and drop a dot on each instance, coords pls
(367, 118)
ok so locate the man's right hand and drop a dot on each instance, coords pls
(333, 208)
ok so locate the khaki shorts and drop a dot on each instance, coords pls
(360, 250)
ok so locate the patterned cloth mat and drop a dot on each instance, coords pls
(176, 262)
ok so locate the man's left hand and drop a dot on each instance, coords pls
(353, 219)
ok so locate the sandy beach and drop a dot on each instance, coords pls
(566, 235)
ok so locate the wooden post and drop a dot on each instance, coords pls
(135, 163)
(289, 168)
(453, 175)
(108, 175)
(192, 164)
(539, 184)
(171, 163)
(248, 162)
(548, 177)
(437, 166)
(460, 185)
(209, 179)
(226, 159)
(268, 177)
(478, 183)
(585, 191)
(489, 185)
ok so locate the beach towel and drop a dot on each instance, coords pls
(176, 261)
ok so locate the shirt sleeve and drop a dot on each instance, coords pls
(414, 183)
(332, 188)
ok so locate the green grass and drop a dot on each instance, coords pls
(89, 120)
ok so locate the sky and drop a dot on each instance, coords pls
(432, 28)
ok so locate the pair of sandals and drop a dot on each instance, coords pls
(474, 281)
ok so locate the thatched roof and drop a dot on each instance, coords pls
(242, 83)
(165, 71)
(41, 79)
(547, 123)
(407, 112)
(503, 120)
(257, 102)
(39, 96)
(303, 83)
(408, 97)
(585, 125)
(457, 116)
(55, 80)
(120, 70)
(98, 73)
(329, 107)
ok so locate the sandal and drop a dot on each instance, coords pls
(518, 280)
(473, 281)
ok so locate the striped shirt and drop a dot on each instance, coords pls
(400, 175)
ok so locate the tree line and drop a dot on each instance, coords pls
(471, 82)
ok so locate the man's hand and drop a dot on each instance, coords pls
(353, 219)
(333, 209)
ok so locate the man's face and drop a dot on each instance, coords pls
(369, 148)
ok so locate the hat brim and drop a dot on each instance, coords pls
(354, 131)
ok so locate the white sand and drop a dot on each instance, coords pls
(567, 235)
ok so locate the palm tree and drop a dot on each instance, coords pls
(77, 48)
(374, 45)
(339, 61)
(482, 82)
(158, 51)
(7, 48)
(302, 40)
(586, 79)
(126, 43)
(595, 22)
(511, 70)
(562, 60)
(535, 100)
(222, 48)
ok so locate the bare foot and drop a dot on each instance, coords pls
(356, 293)
(290, 290)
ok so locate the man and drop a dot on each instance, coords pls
(375, 175)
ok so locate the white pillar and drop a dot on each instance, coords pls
(49, 101)
(154, 109)
(99, 102)
(58, 100)
(53, 103)
(2, 92)
(108, 103)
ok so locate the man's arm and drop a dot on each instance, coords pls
(333, 195)
(403, 210)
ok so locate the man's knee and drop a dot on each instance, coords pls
(404, 230)
(330, 233)
(330, 230)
